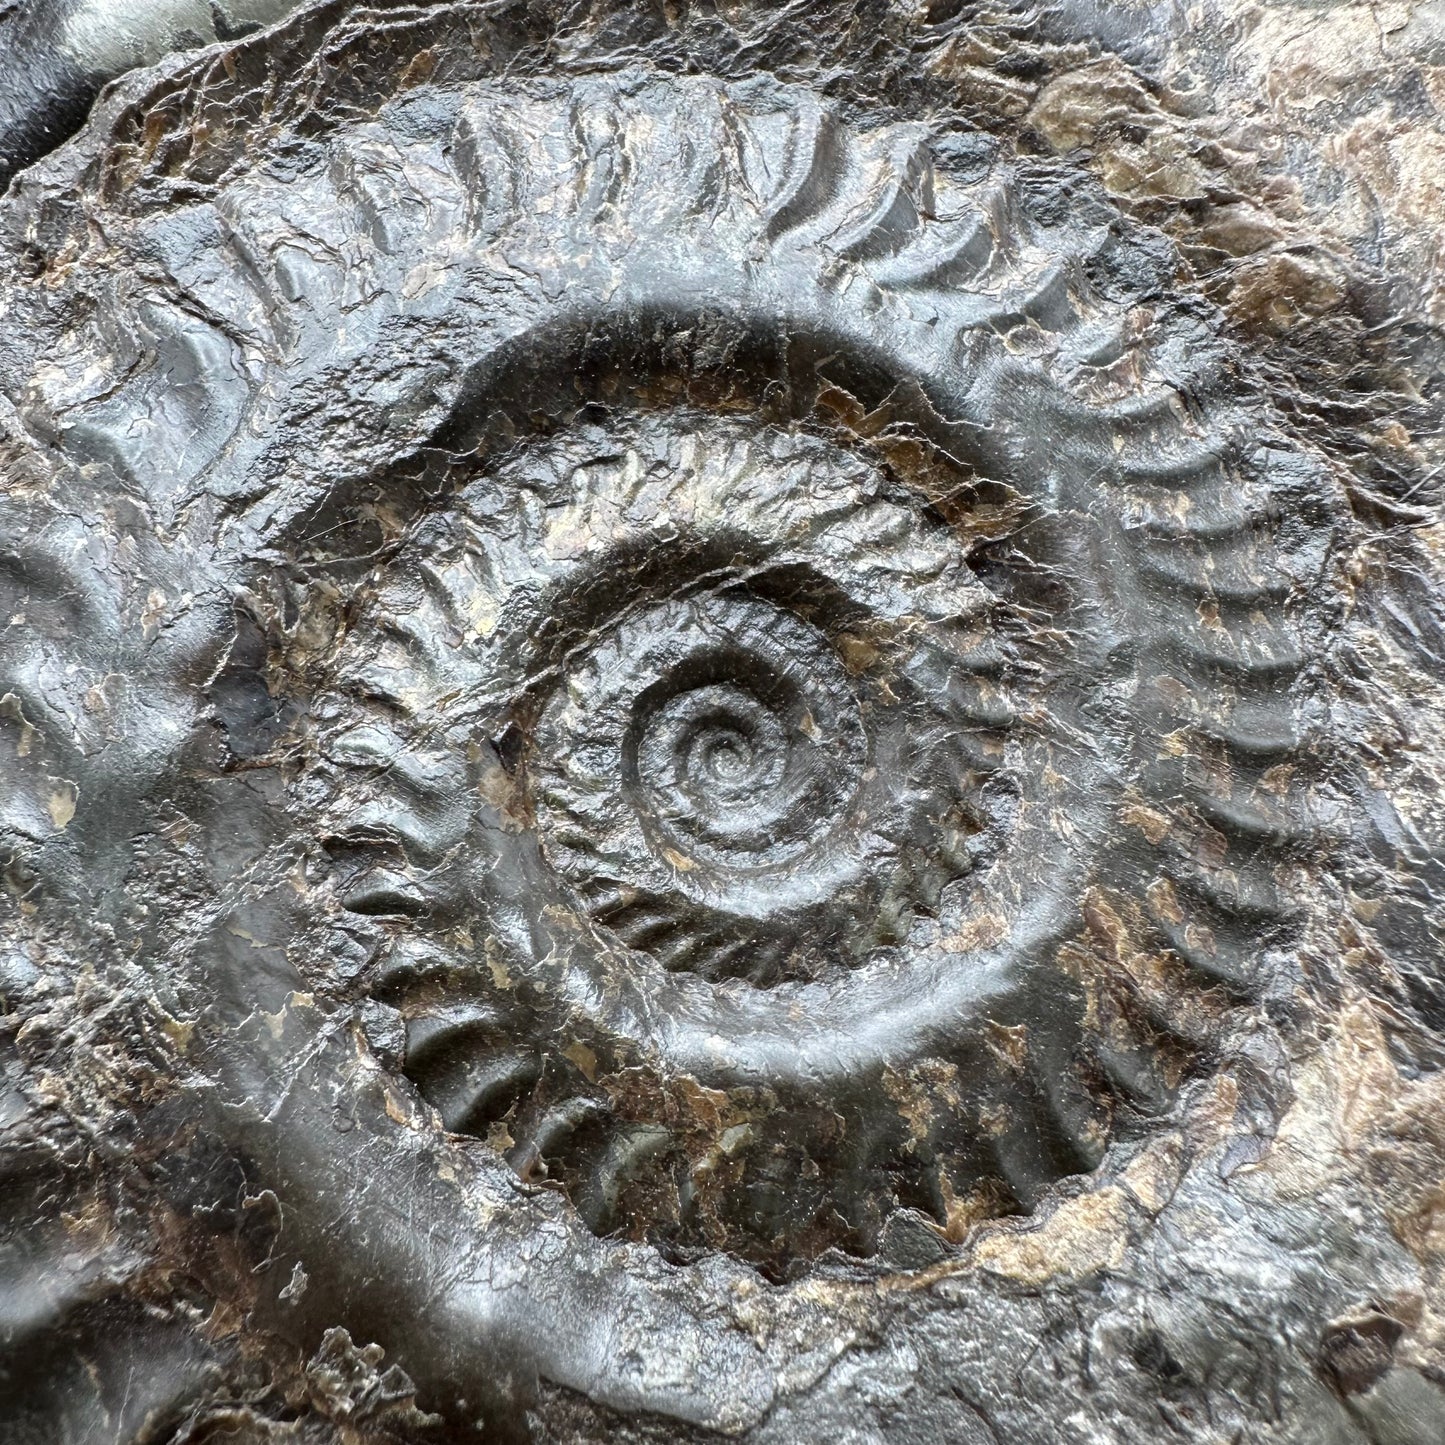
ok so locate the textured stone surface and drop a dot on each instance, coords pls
(721, 720)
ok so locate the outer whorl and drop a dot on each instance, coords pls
(840, 656)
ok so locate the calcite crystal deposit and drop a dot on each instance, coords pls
(723, 721)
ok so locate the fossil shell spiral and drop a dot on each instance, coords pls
(830, 653)
(797, 649)
(736, 657)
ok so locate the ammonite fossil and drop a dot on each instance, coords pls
(836, 651)
(761, 652)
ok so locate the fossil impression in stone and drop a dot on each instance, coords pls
(869, 603)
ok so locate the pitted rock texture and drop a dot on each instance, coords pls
(694, 750)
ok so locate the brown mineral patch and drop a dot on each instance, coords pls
(929, 1087)
(1405, 1157)
(1164, 900)
(1082, 1237)
(858, 653)
(61, 803)
(1153, 1175)
(499, 791)
(1074, 109)
(1212, 1116)
(1149, 821)
(584, 1058)
(1302, 57)
(1341, 1097)
(1010, 1046)
(1421, 1225)
(1164, 166)
(969, 62)
(1141, 151)
(1241, 229)
(1398, 164)
(1274, 292)
(985, 930)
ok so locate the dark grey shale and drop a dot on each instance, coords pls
(317, 889)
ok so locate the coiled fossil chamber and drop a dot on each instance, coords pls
(772, 778)
(744, 756)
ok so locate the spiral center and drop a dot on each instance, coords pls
(714, 764)
(747, 762)
(719, 744)
(728, 757)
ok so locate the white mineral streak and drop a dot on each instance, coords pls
(104, 37)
